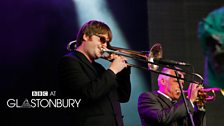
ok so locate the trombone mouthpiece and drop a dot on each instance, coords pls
(104, 50)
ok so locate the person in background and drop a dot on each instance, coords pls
(101, 90)
(164, 106)
(211, 36)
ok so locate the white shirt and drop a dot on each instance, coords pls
(164, 95)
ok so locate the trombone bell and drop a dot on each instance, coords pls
(155, 52)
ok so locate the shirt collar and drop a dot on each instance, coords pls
(164, 95)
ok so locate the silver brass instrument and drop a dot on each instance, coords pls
(144, 56)
(149, 57)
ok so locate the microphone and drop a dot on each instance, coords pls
(170, 62)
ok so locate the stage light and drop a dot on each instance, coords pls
(98, 10)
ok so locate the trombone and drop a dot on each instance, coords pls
(153, 58)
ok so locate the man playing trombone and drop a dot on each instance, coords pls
(165, 108)
(100, 90)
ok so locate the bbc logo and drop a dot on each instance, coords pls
(39, 93)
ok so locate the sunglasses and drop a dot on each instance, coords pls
(102, 39)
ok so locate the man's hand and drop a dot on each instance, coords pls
(193, 91)
(118, 64)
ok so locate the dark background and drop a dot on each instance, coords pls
(34, 35)
(174, 24)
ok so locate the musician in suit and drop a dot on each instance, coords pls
(101, 90)
(164, 108)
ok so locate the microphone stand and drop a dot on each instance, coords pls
(184, 99)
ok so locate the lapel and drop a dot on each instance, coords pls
(164, 101)
(84, 60)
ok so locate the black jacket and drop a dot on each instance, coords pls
(100, 91)
(157, 110)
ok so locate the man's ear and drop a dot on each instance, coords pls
(162, 81)
(85, 37)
